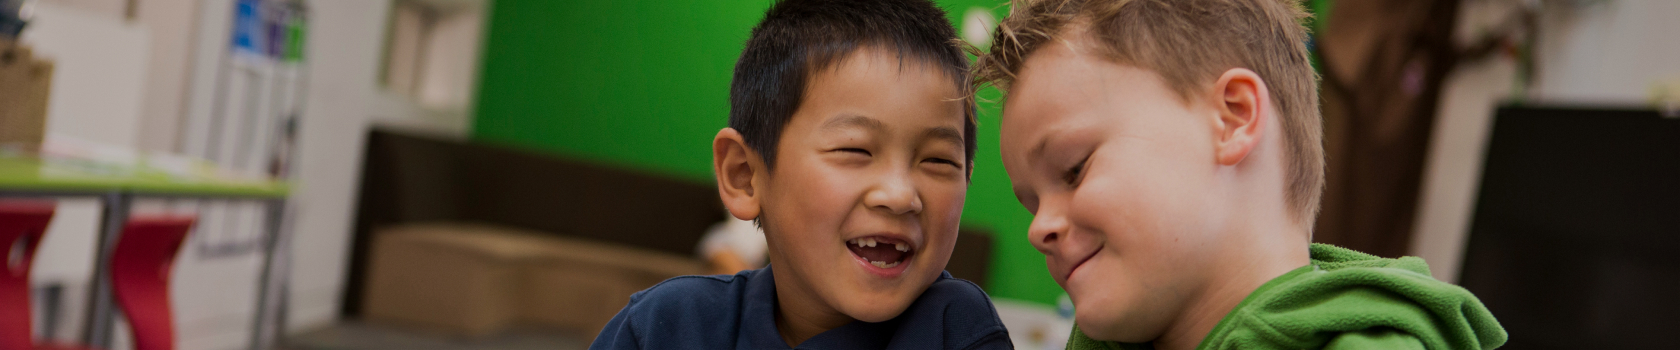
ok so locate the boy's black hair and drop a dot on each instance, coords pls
(799, 37)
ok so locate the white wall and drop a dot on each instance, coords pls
(343, 54)
(445, 85)
(171, 25)
(1611, 53)
(98, 75)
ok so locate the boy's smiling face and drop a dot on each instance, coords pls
(1115, 167)
(862, 207)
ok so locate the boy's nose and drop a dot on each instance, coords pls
(1048, 229)
(896, 195)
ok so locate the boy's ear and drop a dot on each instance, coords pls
(1241, 101)
(737, 168)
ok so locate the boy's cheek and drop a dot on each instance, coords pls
(947, 193)
(945, 209)
(943, 234)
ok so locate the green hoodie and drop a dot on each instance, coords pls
(1348, 300)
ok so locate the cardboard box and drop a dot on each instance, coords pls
(25, 82)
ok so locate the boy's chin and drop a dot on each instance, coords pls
(881, 311)
(875, 305)
(1117, 323)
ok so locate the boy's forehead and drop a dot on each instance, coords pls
(822, 67)
(1071, 57)
(1062, 88)
(1069, 75)
(869, 89)
(1050, 82)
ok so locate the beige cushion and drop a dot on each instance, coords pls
(472, 280)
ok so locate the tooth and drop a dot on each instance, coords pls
(880, 264)
(869, 242)
(890, 265)
(853, 241)
(902, 247)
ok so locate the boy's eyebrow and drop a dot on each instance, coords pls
(853, 120)
(942, 133)
(945, 133)
(1038, 150)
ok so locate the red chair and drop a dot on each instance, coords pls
(140, 266)
(22, 224)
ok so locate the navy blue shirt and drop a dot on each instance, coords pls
(739, 312)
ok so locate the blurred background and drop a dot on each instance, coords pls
(502, 174)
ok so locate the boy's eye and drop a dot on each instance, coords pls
(944, 161)
(1075, 174)
(858, 151)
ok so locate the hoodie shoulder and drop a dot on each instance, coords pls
(1348, 292)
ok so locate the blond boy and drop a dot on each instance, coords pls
(1170, 153)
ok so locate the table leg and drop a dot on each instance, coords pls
(270, 322)
(101, 306)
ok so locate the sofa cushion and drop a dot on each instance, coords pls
(474, 279)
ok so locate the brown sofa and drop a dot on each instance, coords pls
(450, 235)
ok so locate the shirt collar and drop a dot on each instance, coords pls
(758, 323)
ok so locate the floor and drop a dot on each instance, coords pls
(357, 336)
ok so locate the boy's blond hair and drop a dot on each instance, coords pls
(1190, 43)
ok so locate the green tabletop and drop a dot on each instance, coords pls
(74, 176)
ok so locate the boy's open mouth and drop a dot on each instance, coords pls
(883, 252)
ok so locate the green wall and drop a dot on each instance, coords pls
(645, 84)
